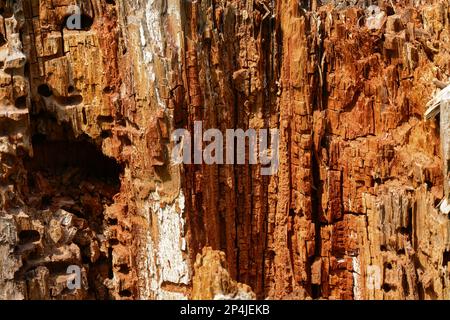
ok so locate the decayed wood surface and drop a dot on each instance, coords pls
(86, 177)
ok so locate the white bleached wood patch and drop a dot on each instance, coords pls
(167, 261)
(434, 105)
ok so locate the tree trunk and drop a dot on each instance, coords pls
(88, 181)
